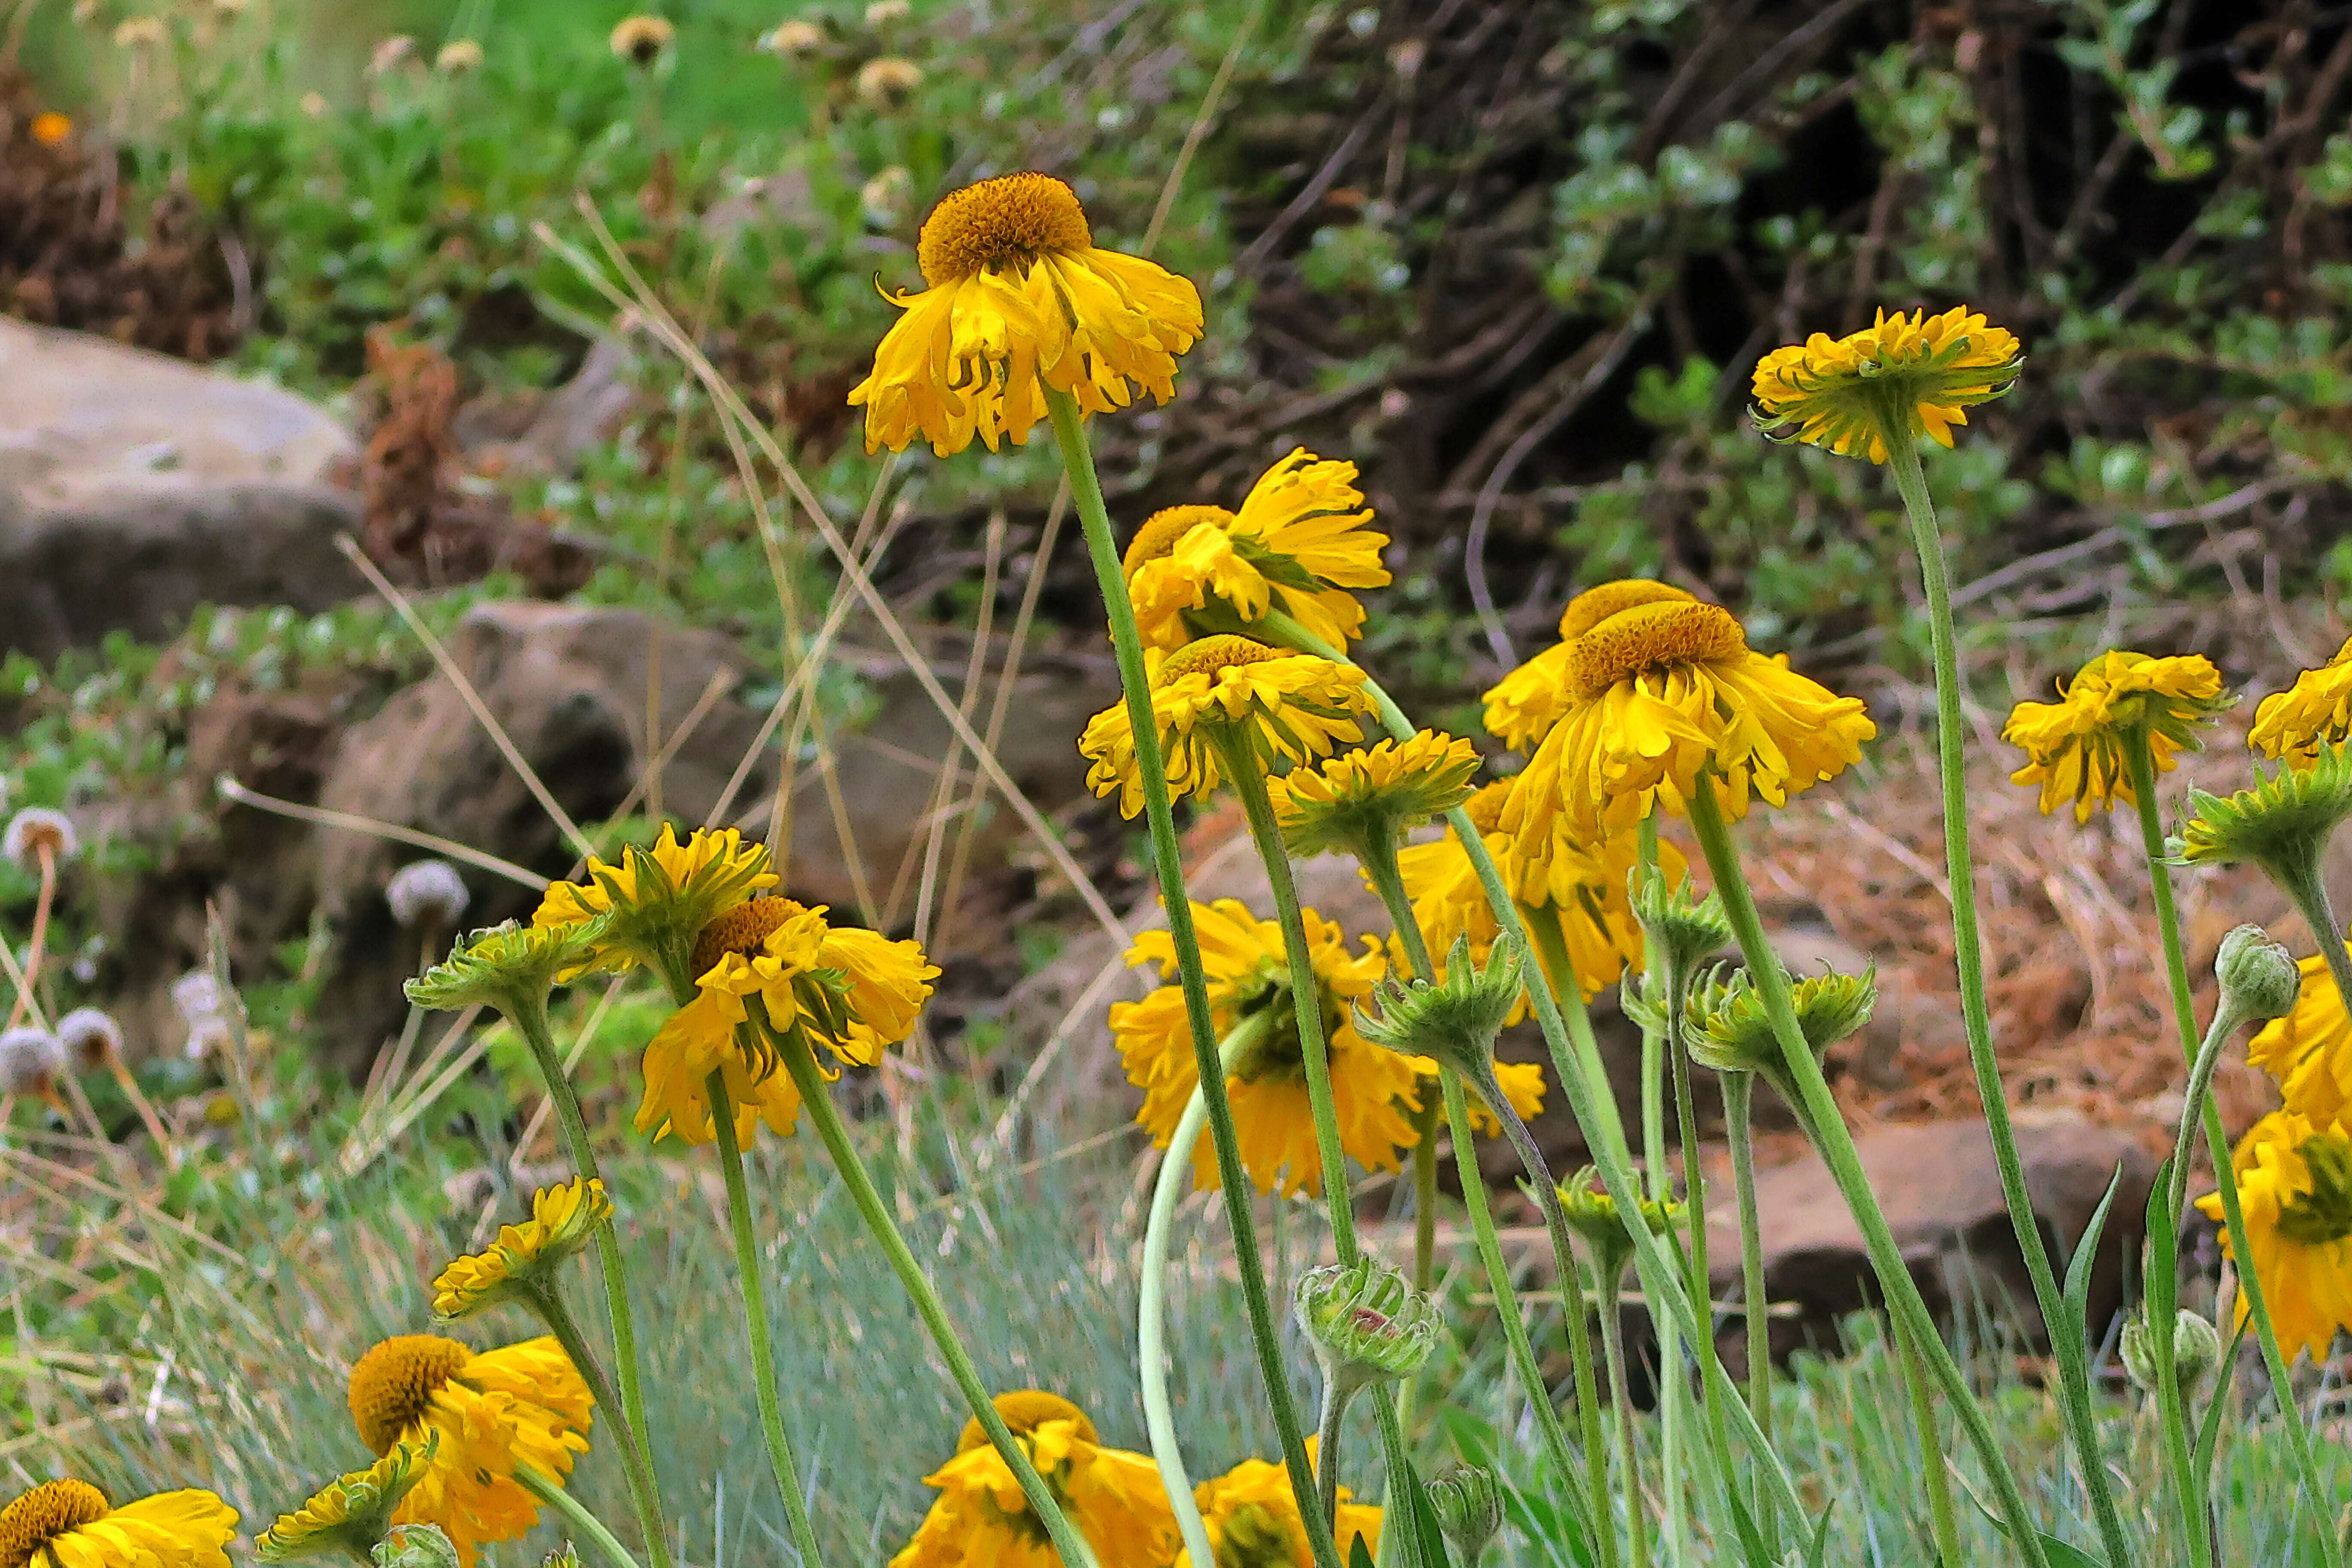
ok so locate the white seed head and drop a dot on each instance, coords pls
(92, 1035)
(196, 995)
(35, 828)
(208, 1037)
(427, 893)
(31, 1060)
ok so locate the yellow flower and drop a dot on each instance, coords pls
(2294, 1183)
(1252, 1516)
(1927, 371)
(1020, 299)
(1522, 1084)
(767, 972)
(1585, 888)
(982, 1519)
(640, 40)
(2075, 745)
(485, 1414)
(1524, 705)
(563, 1224)
(1297, 545)
(660, 898)
(1660, 696)
(69, 1523)
(1356, 797)
(352, 1514)
(1249, 985)
(2309, 1049)
(2315, 711)
(1288, 706)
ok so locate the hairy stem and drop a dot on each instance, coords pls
(550, 1490)
(1740, 1132)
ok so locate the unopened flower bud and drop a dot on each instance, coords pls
(2196, 1349)
(2259, 977)
(1455, 1020)
(1468, 1504)
(416, 1546)
(1366, 1322)
(1681, 930)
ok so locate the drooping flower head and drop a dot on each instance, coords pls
(1020, 298)
(771, 975)
(1661, 695)
(1252, 1517)
(1226, 691)
(1249, 975)
(1297, 545)
(2315, 711)
(1356, 800)
(481, 1414)
(983, 1519)
(507, 966)
(2282, 823)
(2076, 748)
(524, 1258)
(69, 1523)
(1919, 372)
(350, 1515)
(659, 900)
(1583, 887)
(2309, 1049)
(2294, 1185)
(1524, 705)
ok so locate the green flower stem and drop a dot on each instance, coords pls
(547, 1303)
(1576, 1057)
(1425, 1196)
(1740, 1132)
(1943, 1523)
(1514, 1329)
(1168, 858)
(1327, 1448)
(781, 1459)
(1836, 1147)
(2197, 1106)
(1241, 762)
(549, 1491)
(1713, 1378)
(1152, 1312)
(1072, 1546)
(1609, 1289)
(1379, 856)
(2073, 1358)
(529, 1015)
(1398, 1460)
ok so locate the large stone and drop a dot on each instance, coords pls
(146, 486)
(1940, 1189)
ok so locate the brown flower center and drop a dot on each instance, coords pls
(1024, 1410)
(49, 1510)
(743, 930)
(1657, 636)
(1594, 605)
(393, 1384)
(1163, 528)
(1010, 221)
(1209, 654)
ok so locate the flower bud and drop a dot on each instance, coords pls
(1455, 1020)
(1468, 1504)
(1681, 930)
(1366, 1322)
(416, 1546)
(2259, 977)
(2196, 1349)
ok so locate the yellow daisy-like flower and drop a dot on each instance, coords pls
(69, 1523)
(484, 1414)
(2309, 1049)
(2076, 744)
(1524, 705)
(2315, 711)
(524, 1257)
(660, 898)
(1019, 299)
(1297, 545)
(766, 972)
(983, 1519)
(352, 1514)
(1585, 887)
(2294, 1183)
(1248, 978)
(1926, 372)
(1355, 798)
(1286, 707)
(1659, 696)
(1252, 1517)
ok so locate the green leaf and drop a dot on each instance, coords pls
(2162, 1287)
(1357, 1555)
(2086, 1252)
